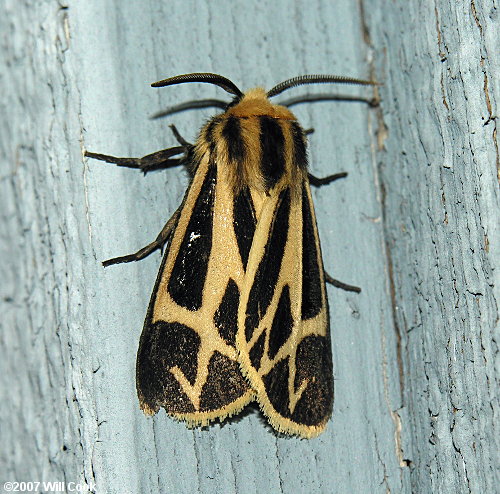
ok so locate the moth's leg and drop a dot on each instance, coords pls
(159, 243)
(318, 182)
(159, 160)
(185, 144)
(155, 161)
(339, 284)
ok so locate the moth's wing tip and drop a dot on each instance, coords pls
(202, 419)
(287, 426)
(147, 409)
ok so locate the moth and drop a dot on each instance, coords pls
(239, 311)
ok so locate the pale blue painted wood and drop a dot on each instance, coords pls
(78, 78)
(440, 170)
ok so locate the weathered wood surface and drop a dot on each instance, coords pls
(415, 224)
(439, 175)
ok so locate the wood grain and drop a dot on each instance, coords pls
(415, 224)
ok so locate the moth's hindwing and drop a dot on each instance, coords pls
(187, 359)
(283, 323)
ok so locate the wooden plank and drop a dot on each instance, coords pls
(78, 78)
(439, 172)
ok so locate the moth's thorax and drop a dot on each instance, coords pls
(255, 144)
(255, 102)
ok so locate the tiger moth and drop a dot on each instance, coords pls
(239, 311)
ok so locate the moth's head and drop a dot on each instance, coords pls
(257, 101)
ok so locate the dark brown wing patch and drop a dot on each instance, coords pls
(276, 386)
(257, 350)
(313, 363)
(224, 385)
(244, 223)
(190, 269)
(282, 323)
(201, 381)
(269, 268)
(311, 280)
(164, 346)
(283, 335)
(226, 316)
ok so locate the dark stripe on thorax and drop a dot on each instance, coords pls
(272, 144)
(231, 133)
(299, 146)
(209, 134)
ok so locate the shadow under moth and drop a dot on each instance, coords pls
(239, 311)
